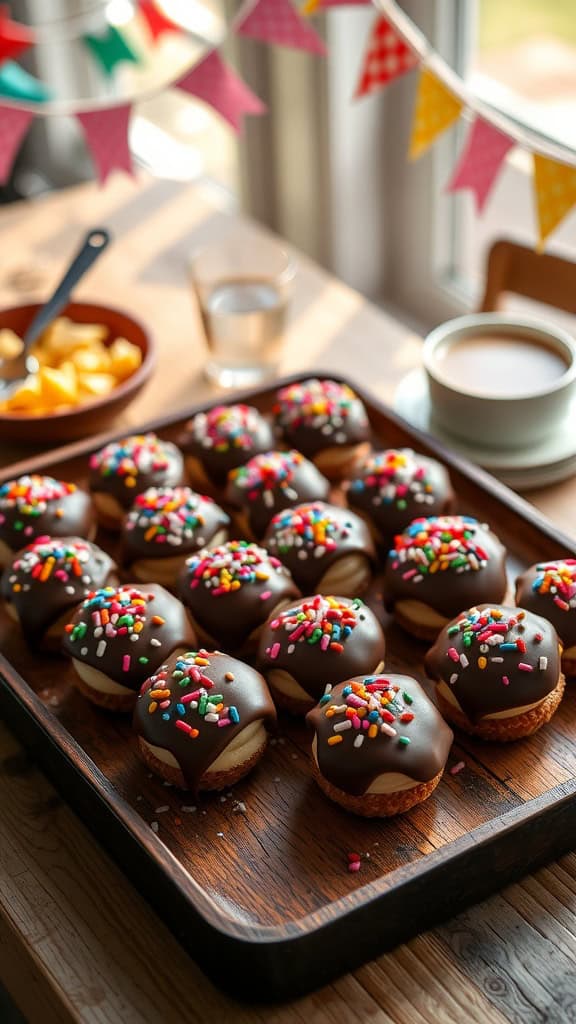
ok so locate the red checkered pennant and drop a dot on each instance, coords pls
(276, 21)
(13, 127)
(106, 133)
(386, 58)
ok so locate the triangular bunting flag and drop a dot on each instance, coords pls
(555, 193)
(110, 49)
(158, 23)
(436, 109)
(215, 83)
(311, 6)
(481, 159)
(14, 38)
(16, 83)
(13, 127)
(276, 21)
(386, 58)
(106, 133)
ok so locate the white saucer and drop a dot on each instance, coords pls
(552, 460)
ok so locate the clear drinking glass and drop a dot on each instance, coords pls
(243, 286)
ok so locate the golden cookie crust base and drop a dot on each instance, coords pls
(569, 666)
(418, 629)
(109, 701)
(503, 730)
(293, 705)
(199, 479)
(377, 805)
(110, 520)
(339, 462)
(210, 780)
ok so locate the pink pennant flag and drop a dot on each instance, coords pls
(215, 83)
(483, 154)
(106, 133)
(276, 21)
(387, 57)
(13, 127)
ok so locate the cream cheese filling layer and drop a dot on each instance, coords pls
(165, 570)
(349, 576)
(417, 611)
(448, 695)
(388, 782)
(244, 745)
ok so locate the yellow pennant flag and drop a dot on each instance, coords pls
(309, 7)
(436, 109)
(555, 193)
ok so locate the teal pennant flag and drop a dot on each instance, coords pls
(111, 49)
(19, 85)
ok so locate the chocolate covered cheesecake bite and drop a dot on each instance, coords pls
(326, 421)
(39, 506)
(221, 439)
(439, 565)
(327, 549)
(230, 592)
(549, 589)
(380, 746)
(119, 636)
(315, 642)
(48, 578)
(269, 483)
(202, 720)
(390, 488)
(123, 469)
(498, 672)
(164, 526)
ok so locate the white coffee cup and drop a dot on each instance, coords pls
(485, 414)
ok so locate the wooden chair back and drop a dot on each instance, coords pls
(541, 277)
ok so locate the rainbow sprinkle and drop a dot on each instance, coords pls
(108, 613)
(186, 690)
(31, 496)
(227, 568)
(438, 543)
(262, 474)
(168, 515)
(226, 427)
(139, 454)
(558, 579)
(52, 559)
(325, 621)
(324, 405)
(498, 636)
(371, 709)
(396, 477)
(312, 529)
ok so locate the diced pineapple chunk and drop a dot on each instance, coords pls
(95, 359)
(96, 385)
(10, 344)
(24, 398)
(57, 387)
(63, 336)
(125, 358)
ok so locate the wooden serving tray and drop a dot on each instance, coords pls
(262, 897)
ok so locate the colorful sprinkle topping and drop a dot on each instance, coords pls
(52, 559)
(370, 709)
(395, 477)
(168, 515)
(322, 404)
(139, 454)
(264, 473)
(439, 543)
(312, 529)
(187, 693)
(558, 579)
(493, 636)
(231, 566)
(30, 496)
(108, 613)
(321, 620)
(226, 427)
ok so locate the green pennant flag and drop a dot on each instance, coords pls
(111, 49)
(19, 85)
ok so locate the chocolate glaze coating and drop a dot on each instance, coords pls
(484, 690)
(201, 673)
(231, 590)
(477, 572)
(168, 521)
(549, 589)
(395, 486)
(50, 576)
(125, 468)
(38, 506)
(273, 481)
(309, 538)
(318, 414)
(84, 638)
(284, 645)
(225, 437)
(355, 768)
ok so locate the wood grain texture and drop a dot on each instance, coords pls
(424, 981)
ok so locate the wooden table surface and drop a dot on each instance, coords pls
(76, 940)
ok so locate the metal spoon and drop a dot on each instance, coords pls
(14, 371)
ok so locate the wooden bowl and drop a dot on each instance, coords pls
(93, 416)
